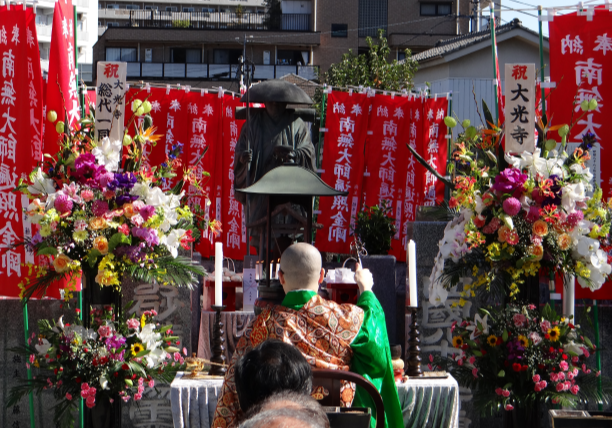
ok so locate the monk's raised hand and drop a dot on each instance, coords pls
(246, 156)
(364, 279)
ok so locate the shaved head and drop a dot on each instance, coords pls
(301, 266)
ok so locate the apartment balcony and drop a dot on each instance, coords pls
(214, 71)
(44, 34)
(212, 20)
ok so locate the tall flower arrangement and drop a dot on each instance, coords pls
(97, 209)
(519, 214)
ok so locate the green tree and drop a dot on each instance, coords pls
(373, 68)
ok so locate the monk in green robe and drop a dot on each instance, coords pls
(329, 335)
(276, 136)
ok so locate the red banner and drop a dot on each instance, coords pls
(20, 128)
(62, 79)
(387, 160)
(579, 63)
(232, 217)
(204, 132)
(343, 167)
(580, 58)
(434, 149)
(415, 172)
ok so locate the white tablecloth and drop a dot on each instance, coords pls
(427, 403)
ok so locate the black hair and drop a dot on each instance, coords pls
(271, 367)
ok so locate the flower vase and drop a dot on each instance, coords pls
(95, 295)
(105, 414)
(523, 417)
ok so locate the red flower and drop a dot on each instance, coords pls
(125, 367)
(483, 352)
(500, 341)
(564, 356)
(78, 380)
(547, 336)
(516, 367)
(524, 368)
(116, 374)
(506, 363)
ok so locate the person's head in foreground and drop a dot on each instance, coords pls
(287, 409)
(301, 269)
(271, 367)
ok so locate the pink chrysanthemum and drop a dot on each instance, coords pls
(100, 208)
(63, 204)
(512, 206)
(574, 218)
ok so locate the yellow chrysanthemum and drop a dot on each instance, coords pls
(136, 348)
(492, 340)
(554, 334)
(523, 341)
(457, 341)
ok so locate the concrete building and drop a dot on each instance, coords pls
(464, 64)
(196, 42)
(87, 34)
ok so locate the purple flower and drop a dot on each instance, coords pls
(510, 180)
(123, 181)
(86, 170)
(114, 342)
(147, 212)
(100, 208)
(147, 235)
(125, 199)
(63, 203)
(515, 350)
(512, 206)
(105, 179)
(36, 239)
(132, 252)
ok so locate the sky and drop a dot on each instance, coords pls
(531, 22)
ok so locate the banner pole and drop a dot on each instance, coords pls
(26, 329)
(494, 50)
(321, 125)
(449, 131)
(81, 408)
(598, 357)
(76, 62)
(542, 65)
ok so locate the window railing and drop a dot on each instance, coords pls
(214, 71)
(219, 20)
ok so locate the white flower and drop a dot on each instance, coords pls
(173, 240)
(149, 338)
(140, 189)
(108, 153)
(41, 184)
(155, 357)
(59, 325)
(104, 382)
(572, 193)
(169, 207)
(42, 349)
(480, 206)
(573, 349)
(437, 294)
(476, 331)
(156, 197)
(525, 161)
(32, 208)
(587, 246)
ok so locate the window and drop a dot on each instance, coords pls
(182, 55)
(436, 9)
(171, 9)
(401, 56)
(112, 6)
(132, 7)
(372, 17)
(339, 30)
(121, 54)
(150, 7)
(226, 56)
(188, 9)
(112, 24)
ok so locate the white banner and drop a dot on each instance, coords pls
(520, 108)
(110, 102)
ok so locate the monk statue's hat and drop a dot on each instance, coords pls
(278, 91)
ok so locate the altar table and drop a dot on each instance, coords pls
(427, 403)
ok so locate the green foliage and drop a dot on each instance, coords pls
(373, 69)
(375, 228)
(181, 24)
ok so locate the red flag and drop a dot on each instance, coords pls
(387, 160)
(232, 212)
(434, 150)
(204, 129)
(61, 80)
(580, 57)
(20, 128)
(343, 168)
(415, 172)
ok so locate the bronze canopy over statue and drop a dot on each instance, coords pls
(272, 136)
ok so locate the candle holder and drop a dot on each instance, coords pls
(218, 350)
(414, 348)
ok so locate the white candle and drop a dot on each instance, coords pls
(412, 274)
(277, 268)
(218, 273)
(271, 272)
